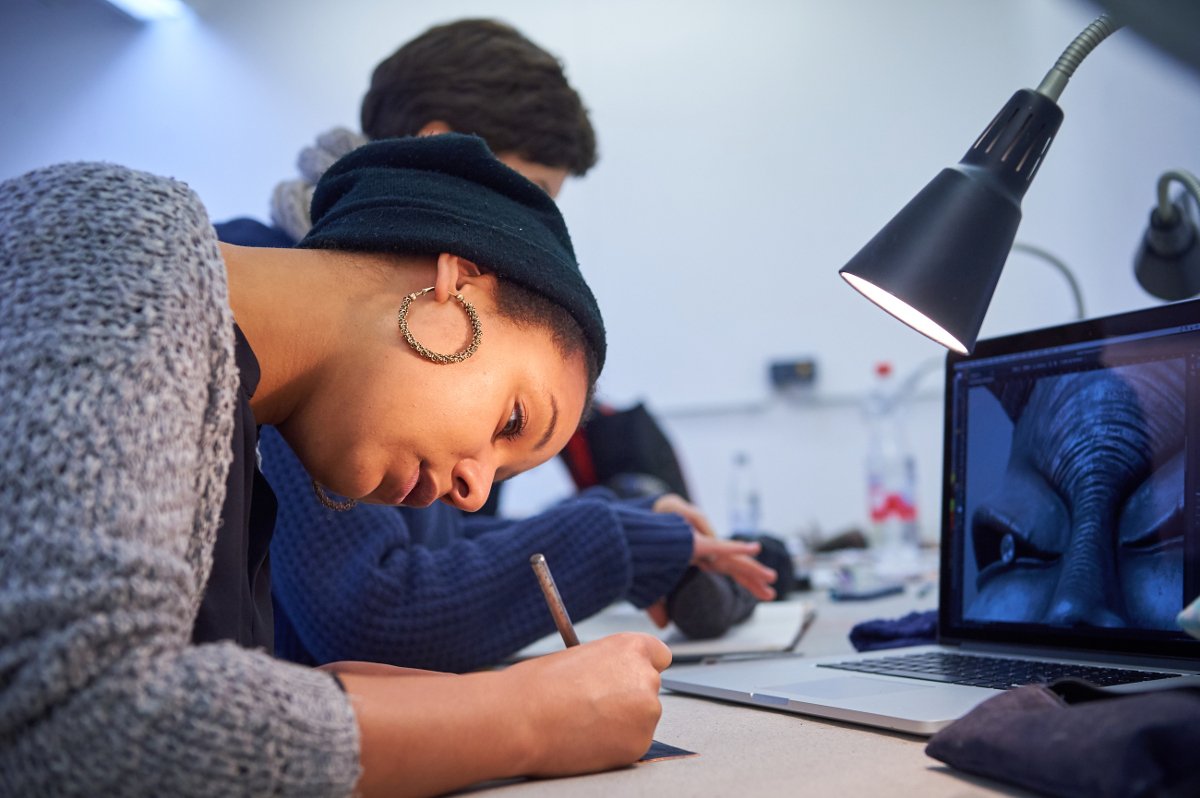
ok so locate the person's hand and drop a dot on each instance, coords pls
(594, 706)
(658, 613)
(674, 503)
(736, 559)
(588, 708)
(732, 557)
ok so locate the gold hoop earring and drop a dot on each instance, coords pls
(437, 357)
(323, 498)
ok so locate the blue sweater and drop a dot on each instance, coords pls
(434, 587)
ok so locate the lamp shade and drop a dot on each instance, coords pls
(1167, 264)
(935, 265)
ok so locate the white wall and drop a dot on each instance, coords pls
(748, 148)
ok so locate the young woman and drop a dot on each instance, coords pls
(432, 334)
(375, 596)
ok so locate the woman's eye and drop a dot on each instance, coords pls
(516, 423)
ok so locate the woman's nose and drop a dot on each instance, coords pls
(471, 482)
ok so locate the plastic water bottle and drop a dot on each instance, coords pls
(744, 504)
(891, 473)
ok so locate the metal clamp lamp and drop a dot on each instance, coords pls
(935, 265)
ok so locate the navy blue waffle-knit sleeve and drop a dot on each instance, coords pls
(435, 589)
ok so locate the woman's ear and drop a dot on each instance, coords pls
(453, 273)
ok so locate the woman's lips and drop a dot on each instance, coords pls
(422, 491)
(401, 492)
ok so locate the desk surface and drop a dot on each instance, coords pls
(750, 752)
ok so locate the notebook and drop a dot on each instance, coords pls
(773, 628)
(1070, 531)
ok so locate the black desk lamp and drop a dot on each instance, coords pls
(1167, 264)
(935, 265)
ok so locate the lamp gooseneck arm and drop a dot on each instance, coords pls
(1056, 79)
(1059, 264)
(1166, 208)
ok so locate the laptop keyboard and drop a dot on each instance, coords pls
(999, 673)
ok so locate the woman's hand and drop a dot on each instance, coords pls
(584, 709)
(594, 706)
(732, 557)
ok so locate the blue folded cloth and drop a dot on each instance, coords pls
(1073, 740)
(914, 629)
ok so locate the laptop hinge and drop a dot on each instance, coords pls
(1078, 655)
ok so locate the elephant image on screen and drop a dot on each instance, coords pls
(1083, 525)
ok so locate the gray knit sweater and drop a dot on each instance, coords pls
(117, 391)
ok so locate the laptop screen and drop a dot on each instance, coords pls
(1071, 509)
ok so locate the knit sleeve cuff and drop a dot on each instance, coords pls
(660, 548)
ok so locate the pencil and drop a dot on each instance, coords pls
(554, 600)
(563, 622)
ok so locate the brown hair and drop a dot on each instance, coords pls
(481, 76)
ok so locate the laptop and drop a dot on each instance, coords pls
(1070, 532)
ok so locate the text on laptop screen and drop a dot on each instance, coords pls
(1071, 502)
